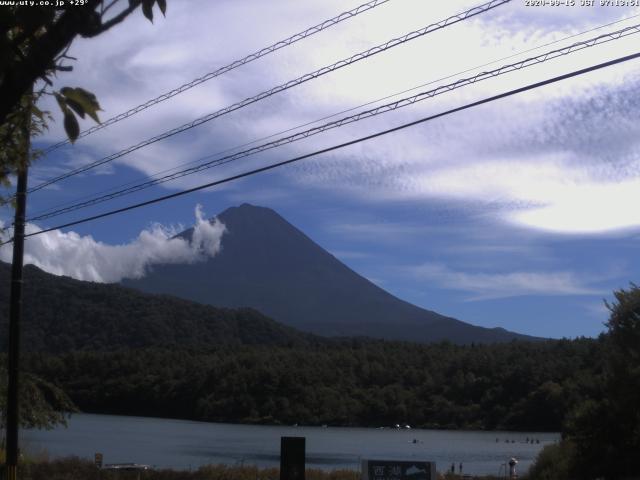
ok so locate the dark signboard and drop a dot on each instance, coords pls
(398, 470)
(292, 458)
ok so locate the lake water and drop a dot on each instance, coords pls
(181, 444)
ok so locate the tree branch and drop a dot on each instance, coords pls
(106, 9)
(20, 78)
(117, 19)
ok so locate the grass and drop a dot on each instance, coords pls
(73, 468)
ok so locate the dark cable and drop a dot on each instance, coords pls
(285, 86)
(216, 73)
(72, 203)
(543, 57)
(532, 86)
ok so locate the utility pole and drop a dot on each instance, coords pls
(15, 308)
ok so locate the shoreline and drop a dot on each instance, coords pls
(432, 427)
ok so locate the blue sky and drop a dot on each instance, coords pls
(521, 213)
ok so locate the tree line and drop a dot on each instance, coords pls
(357, 382)
(601, 432)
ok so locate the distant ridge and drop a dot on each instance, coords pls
(268, 264)
(62, 314)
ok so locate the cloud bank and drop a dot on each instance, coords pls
(84, 258)
(562, 160)
(487, 286)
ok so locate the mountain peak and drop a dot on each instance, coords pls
(268, 264)
(248, 208)
(247, 212)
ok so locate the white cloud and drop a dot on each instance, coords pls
(535, 20)
(84, 258)
(568, 166)
(542, 167)
(544, 193)
(587, 208)
(485, 286)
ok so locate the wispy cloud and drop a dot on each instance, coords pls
(485, 286)
(78, 158)
(569, 166)
(388, 230)
(562, 160)
(544, 21)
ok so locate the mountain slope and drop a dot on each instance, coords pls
(63, 314)
(268, 264)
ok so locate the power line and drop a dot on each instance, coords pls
(531, 61)
(59, 206)
(342, 145)
(227, 68)
(292, 83)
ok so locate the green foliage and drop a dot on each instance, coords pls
(554, 462)
(25, 122)
(624, 333)
(42, 404)
(117, 350)
(66, 314)
(34, 42)
(76, 101)
(605, 428)
(350, 382)
(81, 101)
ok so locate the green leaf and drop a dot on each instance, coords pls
(62, 103)
(163, 6)
(90, 96)
(71, 126)
(37, 112)
(84, 100)
(76, 107)
(147, 9)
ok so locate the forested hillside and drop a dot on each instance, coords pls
(62, 314)
(527, 386)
